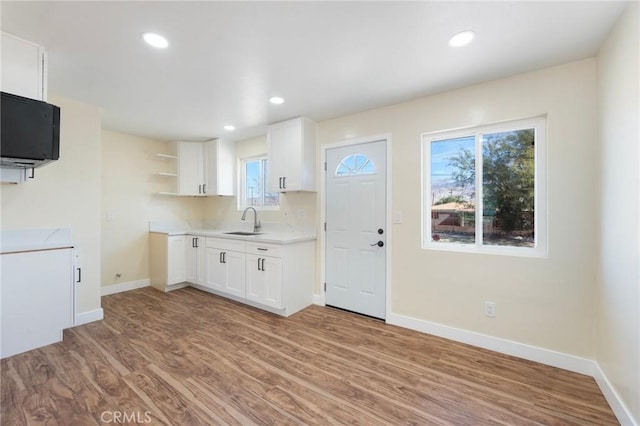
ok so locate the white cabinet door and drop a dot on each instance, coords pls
(255, 287)
(216, 270)
(275, 156)
(220, 167)
(201, 255)
(23, 68)
(196, 260)
(192, 259)
(272, 273)
(291, 153)
(176, 259)
(235, 263)
(264, 280)
(191, 179)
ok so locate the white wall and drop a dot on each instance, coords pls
(618, 290)
(546, 303)
(130, 187)
(66, 194)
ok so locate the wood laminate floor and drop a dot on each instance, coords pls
(191, 358)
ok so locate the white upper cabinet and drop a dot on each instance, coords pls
(220, 167)
(23, 68)
(291, 152)
(206, 168)
(191, 169)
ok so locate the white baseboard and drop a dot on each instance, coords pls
(508, 347)
(318, 300)
(615, 402)
(119, 288)
(89, 316)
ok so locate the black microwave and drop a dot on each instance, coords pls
(29, 132)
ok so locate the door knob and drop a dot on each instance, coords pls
(379, 244)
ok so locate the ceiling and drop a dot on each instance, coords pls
(326, 59)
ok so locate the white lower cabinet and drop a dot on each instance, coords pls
(264, 280)
(226, 266)
(271, 276)
(36, 293)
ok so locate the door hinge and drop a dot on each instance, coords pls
(325, 287)
(325, 166)
(325, 227)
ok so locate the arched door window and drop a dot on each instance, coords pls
(355, 164)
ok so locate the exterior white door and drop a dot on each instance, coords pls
(355, 228)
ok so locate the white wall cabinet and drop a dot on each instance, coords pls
(23, 68)
(220, 167)
(37, 296)
(168, 261)
(206, 168)
(291, 151)
(191, 177)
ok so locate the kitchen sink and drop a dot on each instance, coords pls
(243, 233)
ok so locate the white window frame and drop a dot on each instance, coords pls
(540, 248)
(242, 196)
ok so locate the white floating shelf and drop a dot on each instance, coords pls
(167, 174)
(165, 157)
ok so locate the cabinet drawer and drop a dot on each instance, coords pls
(226, 244)
(264, 249)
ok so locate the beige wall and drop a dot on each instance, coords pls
(542, 302)
(66, 194)
(129, 191)
(296, 209)
(618, 290)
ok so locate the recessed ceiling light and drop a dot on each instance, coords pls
(229, 127)
(277, 100)
(155, 40)
(462, 39)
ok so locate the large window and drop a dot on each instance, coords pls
(484, 189)
(253, 186)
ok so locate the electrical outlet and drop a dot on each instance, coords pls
(490, 309)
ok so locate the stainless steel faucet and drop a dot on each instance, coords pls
(256, 222)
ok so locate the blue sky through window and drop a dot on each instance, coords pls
(441, 154)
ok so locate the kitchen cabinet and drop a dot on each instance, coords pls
(225, 271)
(277, 277)
(191, 171)
(23, 68)
(264, 280)
(291, 152)
(220, 156)
(168, 261)
(206, 168)
(37, 294)
(195, 260)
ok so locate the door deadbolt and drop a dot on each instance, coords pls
(380, 231)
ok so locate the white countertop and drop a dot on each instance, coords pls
(278, 233)
(23, 240)
(266, 237)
